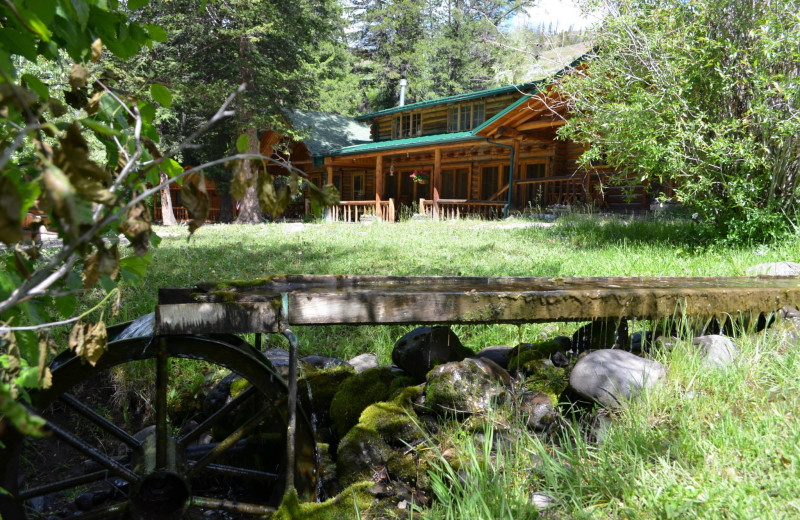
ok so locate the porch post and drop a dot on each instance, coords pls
(378, 185)
(329, 216)
(437, 181)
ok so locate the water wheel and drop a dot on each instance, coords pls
(224, 460)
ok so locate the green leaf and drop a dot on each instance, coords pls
(65, 305)
(161, 94)
(134, 268)
(28, 345)
(243, 143)
(99, 127)
(137, 4)
(156, 32)
(171, 167)
(152, 176)
(36, 85)
(147, 110)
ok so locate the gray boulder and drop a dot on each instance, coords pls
(775, 269)
(716, 351)
(613, 377)
(364, 362)
(538, 410)
(497, 353)
(424, 348)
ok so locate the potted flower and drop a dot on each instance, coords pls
(420, 177)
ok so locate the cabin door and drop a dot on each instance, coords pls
(535, 194)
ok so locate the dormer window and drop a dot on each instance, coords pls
(407, 124)
(465, 116)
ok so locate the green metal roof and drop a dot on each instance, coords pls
(327, 131)
(379, 146)
(454, 137)
(451, 99)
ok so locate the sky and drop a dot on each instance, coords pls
(561, 12)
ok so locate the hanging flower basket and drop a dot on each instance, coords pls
(420, 177)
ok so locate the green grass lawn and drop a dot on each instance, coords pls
(573, 246)
(709, 444)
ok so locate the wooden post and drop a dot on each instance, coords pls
(437, 181)
(514, 171)
(328, 213)
(378, 184)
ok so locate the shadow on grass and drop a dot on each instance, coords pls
(599, 232)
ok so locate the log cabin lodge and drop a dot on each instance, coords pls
(482, 153)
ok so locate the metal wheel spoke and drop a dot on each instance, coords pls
(103, 513)
(229, 441)
(215, 417)
(101, 422)
(61, 485)
(229, 505)
(233, 471)
(110, 464)
(162, 377)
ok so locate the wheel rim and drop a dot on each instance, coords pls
(167, 474)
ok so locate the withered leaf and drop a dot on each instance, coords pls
(195, 198)
(10, 211)
(101, 261)
(136, 227)
(272, 201)
(89, 179)
(77, 76)
(91, 269)
(59, 195)
(93, 106)
(89, 341)
(241, 180)
(15, 95)
(97, 49)
(56, 108)
(42, 357)
(151, 147)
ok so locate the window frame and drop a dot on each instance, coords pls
(461, 117)
(407, 124)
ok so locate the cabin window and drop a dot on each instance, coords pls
(408, 124)
(492, 179)
(455, 183)
(465, 116)
(358, 186)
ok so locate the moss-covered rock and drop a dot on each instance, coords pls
(525, 353)
(360, 391)
(316, 390)
(549, 380)
(397, 425)
(361, 450)
(463, 388)
(340, 507)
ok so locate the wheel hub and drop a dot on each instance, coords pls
(161, 495)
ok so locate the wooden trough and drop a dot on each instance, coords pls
(274, 303)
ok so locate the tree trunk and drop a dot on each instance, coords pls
(249, 210)
(167, 216)
(225, 207)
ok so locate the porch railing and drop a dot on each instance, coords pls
(563, 189)
(354, 210)
(181, 215)
(449, 209)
